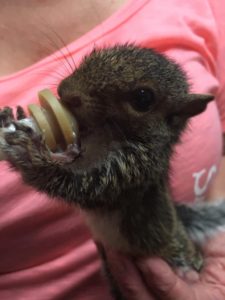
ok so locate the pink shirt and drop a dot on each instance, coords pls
(45, 248)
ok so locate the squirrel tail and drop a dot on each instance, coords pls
(202, 220)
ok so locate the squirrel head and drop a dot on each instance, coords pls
(136, 89)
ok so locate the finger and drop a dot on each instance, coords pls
(215, 246)
(163, 281)
(128, 277)
(189, 275)
(214, 272)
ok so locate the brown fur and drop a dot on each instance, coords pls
(120, 180)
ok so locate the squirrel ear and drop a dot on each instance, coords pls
(194, 104)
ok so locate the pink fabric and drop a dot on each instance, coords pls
(45, 248)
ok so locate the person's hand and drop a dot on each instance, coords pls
(217, 188)
(153, 279)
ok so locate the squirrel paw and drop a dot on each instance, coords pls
(7, 117)
(24, 148)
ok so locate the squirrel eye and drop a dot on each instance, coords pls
(142, 99)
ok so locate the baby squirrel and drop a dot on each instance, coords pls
(131, 104)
